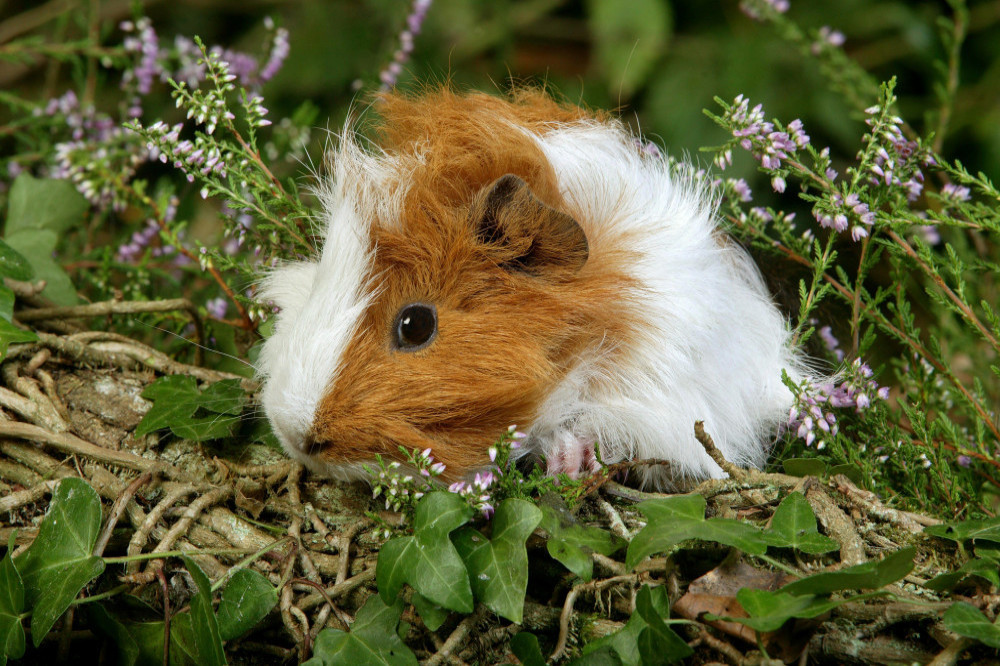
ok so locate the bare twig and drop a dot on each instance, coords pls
(73, 445)
(117, 509)
(21, 497)
(141, 535)
(457, 636)
(734, 472)
(106, 308)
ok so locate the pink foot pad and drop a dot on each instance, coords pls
(572, 455)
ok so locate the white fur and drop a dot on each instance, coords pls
(714, 345)
(321, 302)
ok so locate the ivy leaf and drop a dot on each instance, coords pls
(671, 520)
(985, 569)
(428, 561)
(804, 467)
(207, 641)
(604, 656)
(43, 203)
(869, 575)
(177, 403)
(11, 607)
(372, 639)
(571, 543)
(432, 615)
(13, 264)
(498, 567)
(794, 526)
(121, 637)
(658, 644)
(983, 530)
(645, 638)
(967, 620)
(6, 303)
(851, 471)
(37, 246)
(59, 562)
(769, 610)
(525, 647)
(10, 334)
(246, 600)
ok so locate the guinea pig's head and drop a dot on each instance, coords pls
(436, 316)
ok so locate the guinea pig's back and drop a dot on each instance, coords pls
(710, 345)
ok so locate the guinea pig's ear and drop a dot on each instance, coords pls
(524, 233)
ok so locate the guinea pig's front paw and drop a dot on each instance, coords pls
(571, 455)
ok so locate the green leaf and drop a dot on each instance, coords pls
(372, 639)
(868, 576)
(571, 543)
(658, 644)
(10, 334)
(6, 303)
(43, 203)
(121, 637)
(525, 647)
(428, 561)
(983, 530)
(432, 615)
(671, 520)
(629, 39)
(204, 625)
(59, 562)
(37, 247)
(769, 610)
(851, 471)
(246, 600)
(804, 467)
(13, 264)
(498, 567)
(604, 656)
(645, 638)
(967, 620)
(983, 568)
(177, 403)
(794, 526)
(183, 642)
(11, 607)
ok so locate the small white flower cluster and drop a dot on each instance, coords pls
(209, 108)
(253, 104)
(401, 489)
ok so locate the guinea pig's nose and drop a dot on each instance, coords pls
(310, 442)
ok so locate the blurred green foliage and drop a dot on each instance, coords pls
(660, 63)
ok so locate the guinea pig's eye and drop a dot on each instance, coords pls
(415, 327)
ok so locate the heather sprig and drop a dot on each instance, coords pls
(414, 24)
(885, 228)
(220, 152)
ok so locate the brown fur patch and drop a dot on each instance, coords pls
(505, 337)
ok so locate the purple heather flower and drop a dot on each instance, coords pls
(810, 412)
(778, 183)
(414, 23)
(831, 342)
(279, 51)
(741, 189)
(964, 461)
(955, 192)
(217, 307)
(929, 232)
(827, 37)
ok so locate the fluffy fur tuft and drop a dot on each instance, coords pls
(581, 287)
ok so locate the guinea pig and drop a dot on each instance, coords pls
(490, 262)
